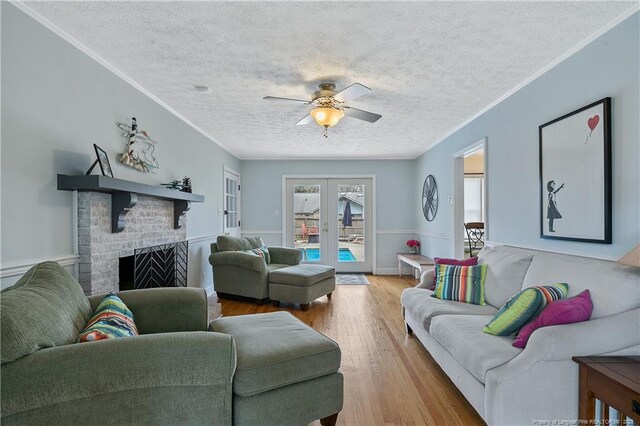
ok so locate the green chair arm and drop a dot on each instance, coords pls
(153, 373)
(165, 310)
(286, 255)
(243, 260)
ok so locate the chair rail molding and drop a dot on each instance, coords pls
(13, 269)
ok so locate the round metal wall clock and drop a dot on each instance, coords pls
(430, 198)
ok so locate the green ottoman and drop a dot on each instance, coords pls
(301, 284)
(287, 373)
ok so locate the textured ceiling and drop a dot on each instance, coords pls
(431, 65)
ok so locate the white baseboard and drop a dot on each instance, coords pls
(209, 289)
(394, 271)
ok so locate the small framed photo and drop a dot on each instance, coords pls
(103, 160)
(575, 175)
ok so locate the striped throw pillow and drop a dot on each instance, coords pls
(461, 283)
(111, 319)
(523, 308)
(260, 251)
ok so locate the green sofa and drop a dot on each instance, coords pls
(243, 274)
(180, 370)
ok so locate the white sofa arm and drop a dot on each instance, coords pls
(426, 279)
(547, 359)
(593, 337)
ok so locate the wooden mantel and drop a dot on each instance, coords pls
(124, 195)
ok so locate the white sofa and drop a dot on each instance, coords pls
(511, 386)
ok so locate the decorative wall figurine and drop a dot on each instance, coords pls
(139, 148)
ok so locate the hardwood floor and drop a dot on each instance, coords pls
(390, 379)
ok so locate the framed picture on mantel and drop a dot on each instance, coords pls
(103, 160)
(575, 175)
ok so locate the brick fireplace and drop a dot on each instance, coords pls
(150, 222)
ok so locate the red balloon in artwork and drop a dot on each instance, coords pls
(593, 122)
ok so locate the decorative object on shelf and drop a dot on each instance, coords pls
(186, 185)
(183, 185)
(141, 156)
(413, 245)
(103, 159)
(575, 175)
(430, 198)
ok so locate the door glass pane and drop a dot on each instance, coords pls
(306, 220)
(350, 217)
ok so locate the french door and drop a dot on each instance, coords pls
(231, 224)
(330, 220)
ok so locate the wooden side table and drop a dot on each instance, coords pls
(614, 380)
(419, 262)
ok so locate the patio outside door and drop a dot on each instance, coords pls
(330, 220)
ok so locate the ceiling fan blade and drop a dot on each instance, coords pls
(352, 92)
(275, 98)
(306, 120)
(361, 115)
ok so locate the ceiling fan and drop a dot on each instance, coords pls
(330, 105)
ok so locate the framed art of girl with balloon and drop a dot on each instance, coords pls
(575, 175)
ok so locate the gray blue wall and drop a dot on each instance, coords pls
(609, 66)
(57, 102)
(262, 191)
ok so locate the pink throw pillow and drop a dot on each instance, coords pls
(565, 311)
(472, 261)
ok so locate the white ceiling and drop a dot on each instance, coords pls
(431, 65)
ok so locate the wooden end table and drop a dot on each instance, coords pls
(419, 262)
(614, 380)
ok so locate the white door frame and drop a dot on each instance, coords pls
(226, 170)
(458, 194)
(374, 227)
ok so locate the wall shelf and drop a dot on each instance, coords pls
(124, 195)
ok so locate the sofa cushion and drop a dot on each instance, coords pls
(472, 261)
(269, 357)
(461, 283)
(229, 243)
(302, 275)
(275, 266)
(568, 311)
(613, 287)
(523, 307)
(111, 319)
(505, 273)
(422, 306)
(478, 352)
(45, 308)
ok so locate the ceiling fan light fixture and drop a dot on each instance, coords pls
(326, 116)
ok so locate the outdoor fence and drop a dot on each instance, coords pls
(313, 226)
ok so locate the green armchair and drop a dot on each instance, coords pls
(243, 274)
(180, 370)
(176, 372)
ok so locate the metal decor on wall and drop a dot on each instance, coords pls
(575, 175)
(139, 156)
(430, 198)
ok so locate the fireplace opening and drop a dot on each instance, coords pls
(126, 272)
(164, 265)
